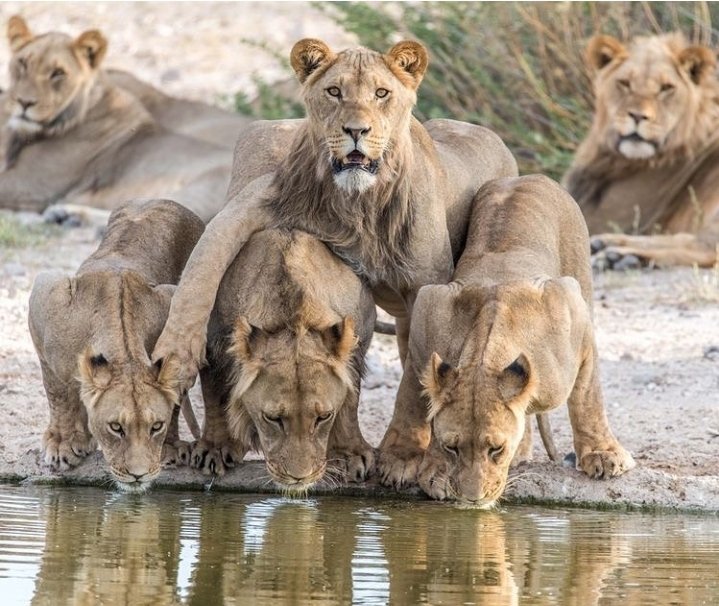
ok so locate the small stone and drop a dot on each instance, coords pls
(712, 353)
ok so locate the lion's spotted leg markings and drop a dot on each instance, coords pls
(407, 436)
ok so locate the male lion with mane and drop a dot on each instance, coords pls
(286, 346)
(389, 195)
(73, 135)
(651, 159)
(92, 333)
(511, 335)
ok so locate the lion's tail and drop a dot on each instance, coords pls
(545, 431)
(191, 420)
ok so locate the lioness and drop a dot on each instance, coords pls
(389, 195)
(93, 332)
(509, 336)
(651, 159)
(286, 346)
(74, 135)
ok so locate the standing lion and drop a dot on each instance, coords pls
(389, 195)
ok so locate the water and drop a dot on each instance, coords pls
(86, 546)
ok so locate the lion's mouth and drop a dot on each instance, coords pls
(355, 160)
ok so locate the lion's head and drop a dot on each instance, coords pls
(130, 401)
(655, 98)
(51, 78)
(359, 104)
(290, 386)
(516, 350)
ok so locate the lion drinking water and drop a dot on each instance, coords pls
(511, 335)
(92, 333)
(286, 346)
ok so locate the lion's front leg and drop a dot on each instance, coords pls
(347, 451)
(174, 450)
(407, 436)
(599, 454)
(216, 451)
(67, 439)
(434, 476)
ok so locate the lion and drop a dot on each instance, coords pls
(650, 162)
(389, 195)
(92, 333)
(72, 135)
(286, 347)
(511, 335)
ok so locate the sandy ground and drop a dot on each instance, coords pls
(657, 331)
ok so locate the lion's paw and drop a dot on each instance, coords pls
(433, 478)
(176, 453)
(355, 464)
(64, 452)
(605, 464)
(212, 459)
(398, 465)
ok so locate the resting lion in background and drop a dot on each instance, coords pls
(92, 333)
(650, 162)
(286, 347)
(74, 136)
(511, 335)
(390, 196)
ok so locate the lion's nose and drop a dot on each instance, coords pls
(356, 132)
(138, 476)
(26, 103)
(638, 117)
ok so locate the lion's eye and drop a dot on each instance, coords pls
(495, 452)
(116, 428)
(666, 87)
(451, 449)
(322, 418)
(157, 426)
(57, 74)
(276, 421)
(624, 84)
(333, 91)
(381, 93)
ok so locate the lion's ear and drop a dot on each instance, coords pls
(340, 339)
(18, 33)
(602, 50)
(514, 378)
(408, 60)
(244, 339)
(169, 378)
(307, 55)
(92, 46)
(436, 378)
(95, 375)
(698, 62)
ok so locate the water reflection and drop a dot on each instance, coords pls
(83, 546)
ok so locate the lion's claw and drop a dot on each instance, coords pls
(63, 453)
(605, 464)
(398, 467)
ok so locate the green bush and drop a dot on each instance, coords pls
(514, 67)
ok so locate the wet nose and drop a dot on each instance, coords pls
(637, 117)
(26, 103)
(356, 131)
(138, 476)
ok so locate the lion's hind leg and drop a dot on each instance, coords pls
(618, 251)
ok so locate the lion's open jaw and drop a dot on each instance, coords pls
(355, 160)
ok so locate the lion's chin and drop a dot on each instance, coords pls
(132, 487)
(24, 125)
(635, 148)
(354, 180)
